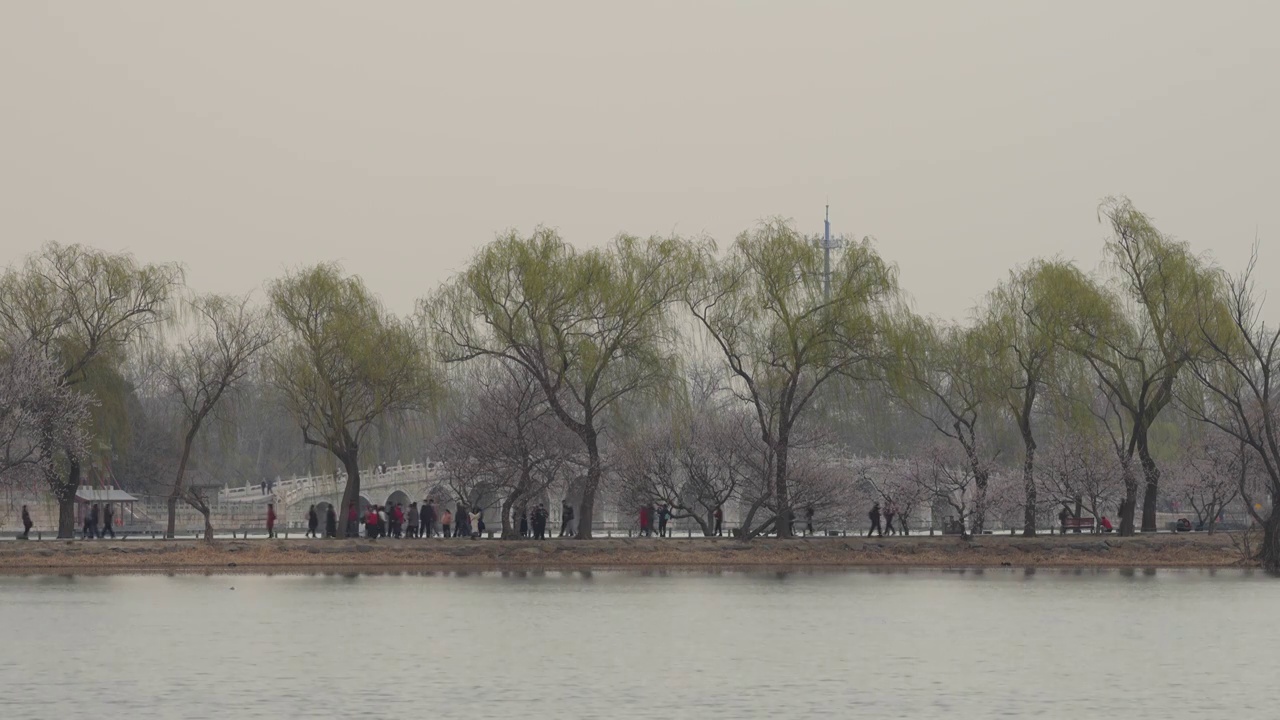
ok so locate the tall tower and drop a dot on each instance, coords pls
(828, 243)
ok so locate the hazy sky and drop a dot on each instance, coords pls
(245, 138)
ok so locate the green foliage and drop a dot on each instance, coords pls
(592, 327)
(765, 308)
(343, 361)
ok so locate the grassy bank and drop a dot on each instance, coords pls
(130, 556)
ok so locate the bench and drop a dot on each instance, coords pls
(1077, 524)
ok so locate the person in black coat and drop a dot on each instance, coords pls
(331, 523)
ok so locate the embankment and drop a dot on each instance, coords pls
(296, 555)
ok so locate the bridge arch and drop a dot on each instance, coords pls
(399, 497)
(322, 512)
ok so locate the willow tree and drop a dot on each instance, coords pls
(342, 362)
(1140, 335)
(82, 308)
(939, 373)
(784, 337)
(1028, 315)
(591, 328)
(199, 373)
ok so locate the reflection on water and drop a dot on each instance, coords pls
(656, 643)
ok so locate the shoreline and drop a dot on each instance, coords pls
(293, 556)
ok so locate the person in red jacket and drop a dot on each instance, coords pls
(353, 521)
(397, 522)
(644, 520)
(371, 523)
(271, 520)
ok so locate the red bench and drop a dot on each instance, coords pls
(1077, 524)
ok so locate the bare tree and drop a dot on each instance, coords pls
(693, 456)
(1239, 392)
(201, 371)
(503, 441)
(1211, 476)
(946, 479)
(895, 484)
(1079, 474)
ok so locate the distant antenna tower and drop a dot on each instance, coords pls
(828, 243)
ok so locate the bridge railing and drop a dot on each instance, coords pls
(288, 492)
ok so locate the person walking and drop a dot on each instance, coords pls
(524, 523)
(890, 510)
(875, 520)
(808, 520)
(313, 522)
(108, 519)
(353, 520)
(473, 523)
(26, 523)
(271, 520)
(664, 514)
(644, 520)
(412, 529)
(566, 515)
(397, 521)
(480, 521)
(429, 518)
(331, 522)
(371, 523)
(91, 523)
(1062, 519)
(652, 512)
(446, 520)
(718, 516)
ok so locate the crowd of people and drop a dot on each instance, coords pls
(394, 520)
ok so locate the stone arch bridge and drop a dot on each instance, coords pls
(396, 484)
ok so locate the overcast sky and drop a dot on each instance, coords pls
(246, 138)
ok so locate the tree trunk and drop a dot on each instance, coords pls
(1029, 483)
(1151, 474)
(176, 492)
(586, 512)
(1130, 499)
(1269, 553)
(979, 522)
(351, 494)
(780, 490)
(208, 526)
(64, 491)
(508, 533)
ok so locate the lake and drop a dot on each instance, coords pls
(906, 644)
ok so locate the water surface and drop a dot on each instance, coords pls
(917, 644)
